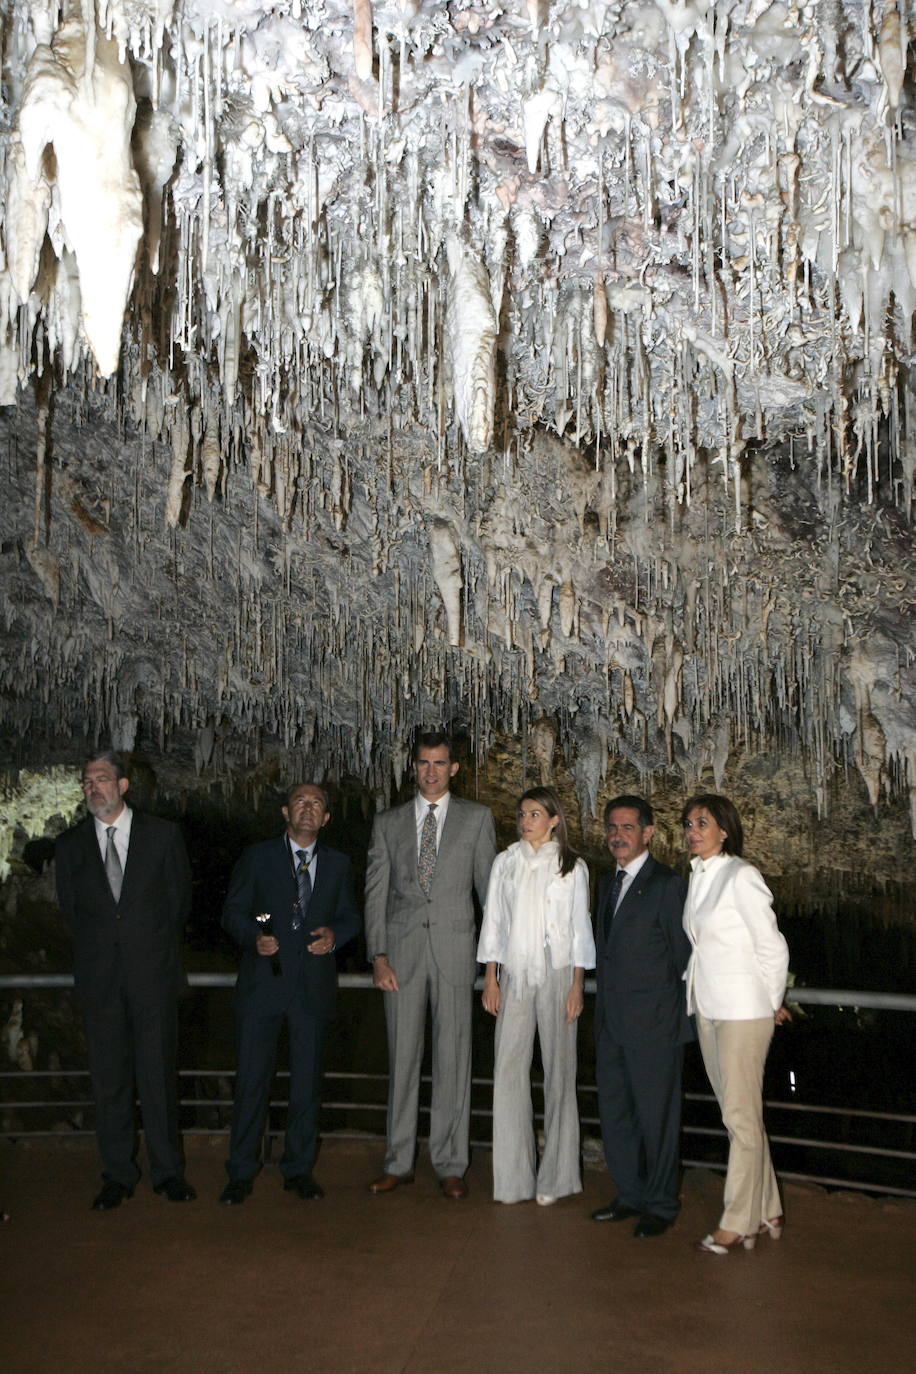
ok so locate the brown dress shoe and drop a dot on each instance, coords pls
(453, 1187)
(386, 1183)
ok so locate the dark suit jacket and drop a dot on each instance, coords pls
(263, 881)
(642, 955)
(134, 944)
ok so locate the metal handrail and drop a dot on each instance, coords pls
(825, 997)
(817, 996)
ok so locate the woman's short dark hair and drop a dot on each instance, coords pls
(546, 797)
(724, 813)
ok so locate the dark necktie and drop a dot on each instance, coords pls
(426, 859)
(616, 886)
(304, 886)
(113, 870)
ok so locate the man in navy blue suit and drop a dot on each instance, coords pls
(290, 905)
(641, 1021)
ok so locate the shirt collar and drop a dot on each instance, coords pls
(122, 824)
(635, 865)
(422, 806)
(699, 865)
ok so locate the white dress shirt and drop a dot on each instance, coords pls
(422, 810)
(629, 873)
(121, 835)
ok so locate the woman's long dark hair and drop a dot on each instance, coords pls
(546, 797)
(724, 813)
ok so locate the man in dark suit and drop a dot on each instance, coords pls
(426, 858)
(124, 887)
(641, 1021)
(290, 905)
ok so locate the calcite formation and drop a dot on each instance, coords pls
(540, 368)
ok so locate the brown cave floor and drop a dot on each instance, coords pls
(413, 1284)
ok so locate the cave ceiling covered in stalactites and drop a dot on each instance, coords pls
(542, 368)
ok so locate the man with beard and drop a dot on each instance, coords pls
(124, 887)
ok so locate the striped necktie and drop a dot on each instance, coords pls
(304, 887)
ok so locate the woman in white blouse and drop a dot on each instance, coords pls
(536, 930)
(736, 978)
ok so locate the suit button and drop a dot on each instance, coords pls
(426, 925)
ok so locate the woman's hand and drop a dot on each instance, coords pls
(490, 997)
(782, 1016)
(575, 998)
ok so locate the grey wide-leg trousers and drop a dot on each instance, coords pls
(542, 1009)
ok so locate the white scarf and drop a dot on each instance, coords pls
(526, 960)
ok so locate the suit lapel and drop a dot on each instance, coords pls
(629, 904)
(90, 843)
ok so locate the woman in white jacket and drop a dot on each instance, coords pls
(736, 978)
(536, 929)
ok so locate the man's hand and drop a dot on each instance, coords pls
(267, 945)
(383, 975)
(323, 942)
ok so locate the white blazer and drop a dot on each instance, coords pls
(568, 924)
(737, 971)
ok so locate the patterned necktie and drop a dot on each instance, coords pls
(426, 860)
(304, 886)
(113, 870)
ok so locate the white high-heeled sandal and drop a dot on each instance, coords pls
(710, 1246)
(772, 1228)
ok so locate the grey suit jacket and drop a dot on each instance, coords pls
(400, 917)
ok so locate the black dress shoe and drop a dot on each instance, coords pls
(235, 1191)
(111, 1196)
(615, 1211)
(176, 1189)
(650, 1225)
(304, 1186)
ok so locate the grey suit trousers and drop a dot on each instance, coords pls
(405, 1017)
(544, 1009)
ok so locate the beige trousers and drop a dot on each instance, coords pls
(734, 1053)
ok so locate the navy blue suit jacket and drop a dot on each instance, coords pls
(642, 954)
(263, 881)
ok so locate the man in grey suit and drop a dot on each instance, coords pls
(426, 858)
(641, 1021)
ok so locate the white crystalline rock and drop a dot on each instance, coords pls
(87, 117)
(892, 51)
(446, 564)
(156, 144)
(26, 222)
(136, 24)
(365, 310)
(471, 335)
